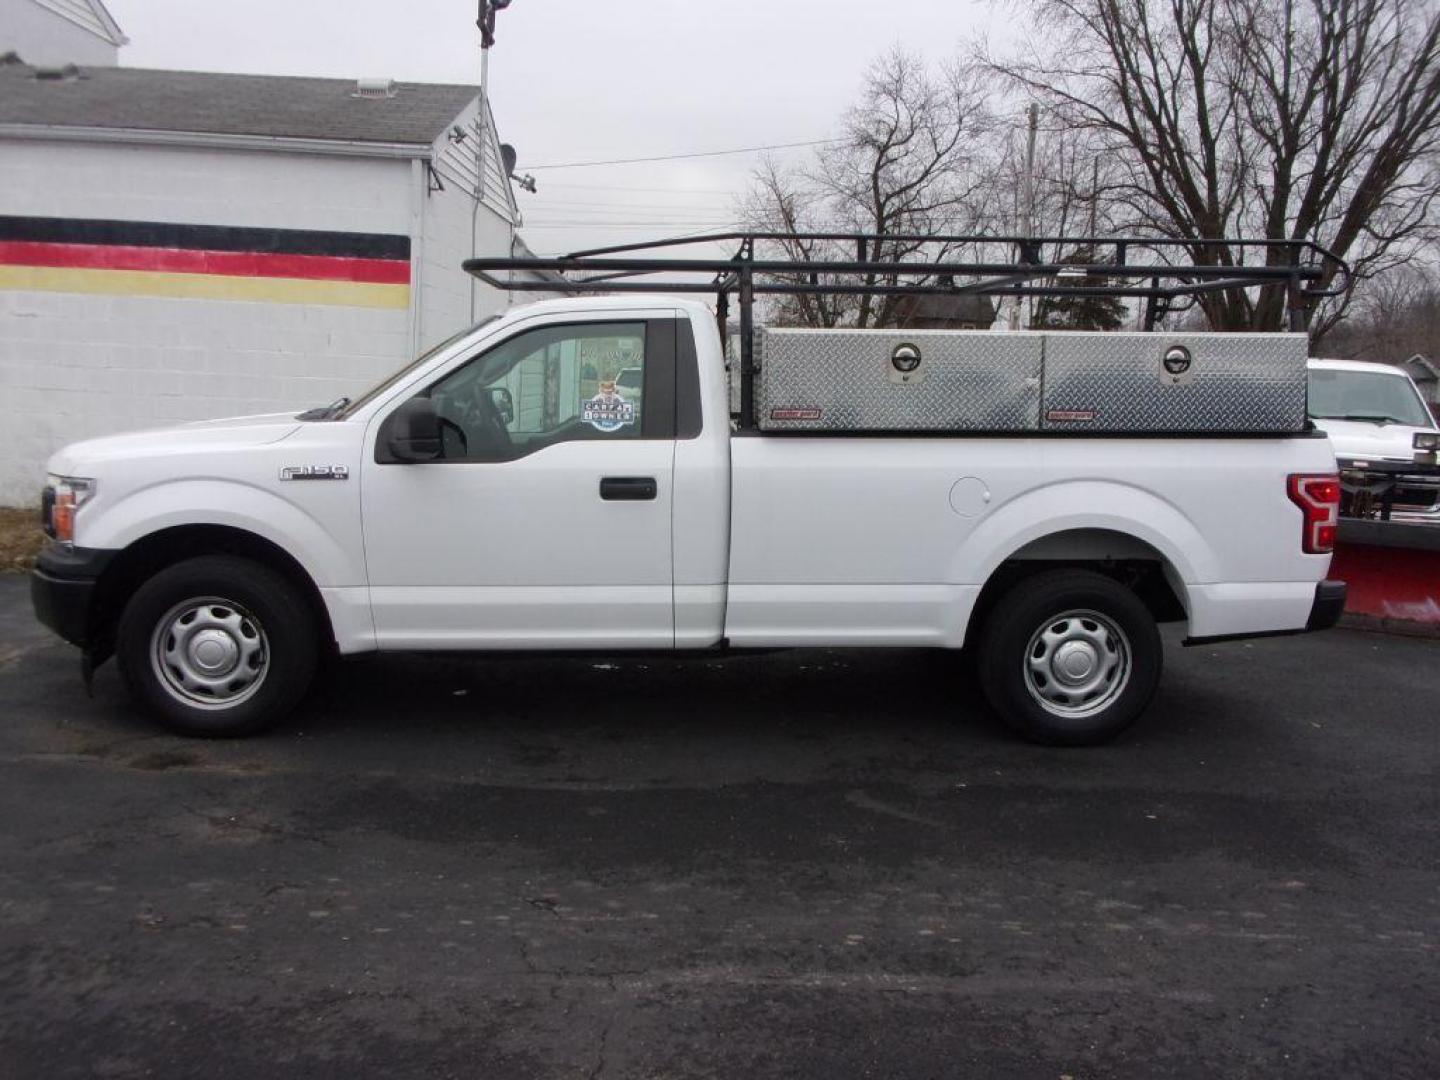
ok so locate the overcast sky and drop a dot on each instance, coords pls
(586, 80)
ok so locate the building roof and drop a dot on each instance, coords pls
(273, 106)
(1421, 366)
(945, 308)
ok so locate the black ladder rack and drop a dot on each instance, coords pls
(1002, 266)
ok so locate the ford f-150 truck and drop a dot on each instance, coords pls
(504, 492)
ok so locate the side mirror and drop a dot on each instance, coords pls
(413, 432)
(504, 404)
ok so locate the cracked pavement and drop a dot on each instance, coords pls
(808, 864)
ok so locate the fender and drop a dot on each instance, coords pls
(236, 503)
(1084, 504)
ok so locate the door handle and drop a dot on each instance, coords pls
(629, 488)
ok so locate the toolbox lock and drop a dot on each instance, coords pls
(905, 360)
(1175, 365)
(906, 357)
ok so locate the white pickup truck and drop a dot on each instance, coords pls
(502, 493)
(1374, 416)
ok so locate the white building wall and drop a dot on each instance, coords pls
(75, 366)
(204, 186)
(445, 288)
(44, 38)
(445, 302)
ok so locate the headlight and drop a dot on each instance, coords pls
(1427, 441)
(64, 495)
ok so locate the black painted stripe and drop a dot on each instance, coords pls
(205, 237)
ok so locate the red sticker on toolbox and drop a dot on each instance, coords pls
(794, 414)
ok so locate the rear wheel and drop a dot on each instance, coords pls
(217, 646)
(1070, 657)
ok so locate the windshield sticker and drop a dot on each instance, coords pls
(607, 410)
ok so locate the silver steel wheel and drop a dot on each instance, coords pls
(1077, 664)
(209, 653)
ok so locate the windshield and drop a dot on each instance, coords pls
(1378, 396)
(391, 380)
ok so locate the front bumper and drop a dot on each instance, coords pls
(1389, 489)
(62, 589)
(1325, 611)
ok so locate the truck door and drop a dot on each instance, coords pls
(545, 521)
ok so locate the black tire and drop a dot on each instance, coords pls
(1069, 658)
(240, 664)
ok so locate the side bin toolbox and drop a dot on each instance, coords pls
(897, 380)
(1159, 382)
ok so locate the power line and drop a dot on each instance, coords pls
(688, 223)
(633, 213)
(681, 157)
(615, 204)
(626, 187)
(604, 226)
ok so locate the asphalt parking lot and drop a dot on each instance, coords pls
(813, 864)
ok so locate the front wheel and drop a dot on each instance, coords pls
(1070, 658)
(217, 646)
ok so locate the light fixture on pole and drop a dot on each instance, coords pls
(486, 20)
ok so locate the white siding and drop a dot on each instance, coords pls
(46, 38)
(453, 233)
(458, 162)
(82, 13)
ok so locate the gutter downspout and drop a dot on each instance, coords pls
(483, 124)
(419, 196)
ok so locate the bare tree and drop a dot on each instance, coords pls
(1396, 317)
(782, 201)
(905, 169)
(1297, 120)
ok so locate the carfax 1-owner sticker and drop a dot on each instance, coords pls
(607, 410)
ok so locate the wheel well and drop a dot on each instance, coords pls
(1127, 560)
(151, 554)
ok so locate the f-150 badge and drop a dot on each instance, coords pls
(315, 472)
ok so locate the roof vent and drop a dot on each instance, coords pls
(68, 73)
(375, 88)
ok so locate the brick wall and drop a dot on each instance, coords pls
(75, 365)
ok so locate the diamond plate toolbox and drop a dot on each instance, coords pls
(1158, 382)
(897, 380)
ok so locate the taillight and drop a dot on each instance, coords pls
(1319, 500)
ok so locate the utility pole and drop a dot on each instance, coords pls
(1094, 199)
(1034, 122)
(485, 20)
(1028, 223)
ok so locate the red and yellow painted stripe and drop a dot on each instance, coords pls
(204, 262)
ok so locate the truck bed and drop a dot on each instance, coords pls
(888, 541)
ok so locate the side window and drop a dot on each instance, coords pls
(546, 386)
